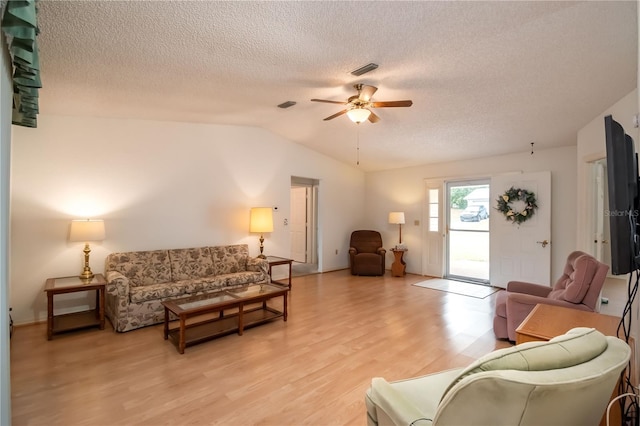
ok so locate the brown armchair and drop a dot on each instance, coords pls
(578, 288)
(366, 254)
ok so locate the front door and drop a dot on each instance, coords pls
(521, 252)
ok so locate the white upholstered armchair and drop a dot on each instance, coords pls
(565, 381)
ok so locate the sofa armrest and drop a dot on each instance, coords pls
(256, 264)
(117, 284)
(382, 251)
(398, 408)
(528, 288)
(353, 250)
(532, 301)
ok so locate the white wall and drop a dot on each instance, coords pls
(404, 190)
(6, 98)
(159, 185)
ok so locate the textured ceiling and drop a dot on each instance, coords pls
(486, 78)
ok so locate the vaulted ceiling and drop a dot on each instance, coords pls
(486, 78)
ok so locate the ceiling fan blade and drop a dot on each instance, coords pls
(329, 102)
(373, 118)
(337, 114)
(389, 104)
(367, 92)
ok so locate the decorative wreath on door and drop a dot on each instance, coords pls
(517, 194)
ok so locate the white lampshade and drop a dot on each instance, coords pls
(396, 218)
(261, 219)
(87, 230)
(358, 115)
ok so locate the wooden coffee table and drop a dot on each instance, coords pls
(197, 320)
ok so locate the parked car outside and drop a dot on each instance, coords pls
(474, 213)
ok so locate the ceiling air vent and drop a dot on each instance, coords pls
(286, 104)
(365, 69)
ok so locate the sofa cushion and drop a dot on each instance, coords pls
(155, 292)
(577, 346)
(141, 267)
(191, 263)
(230, 259)
(242, 278)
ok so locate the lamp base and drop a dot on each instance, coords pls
(86, 272)
(261, 255)
(86, 275)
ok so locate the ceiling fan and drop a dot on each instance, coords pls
(359, 106)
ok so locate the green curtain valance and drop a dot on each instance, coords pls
(20, 25)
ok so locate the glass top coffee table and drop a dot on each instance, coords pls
(202, 318)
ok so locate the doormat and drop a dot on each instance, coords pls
(478, 291)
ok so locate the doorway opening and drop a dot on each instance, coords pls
(467, 237)
(304, 225)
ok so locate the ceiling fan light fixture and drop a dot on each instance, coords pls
(358, 115)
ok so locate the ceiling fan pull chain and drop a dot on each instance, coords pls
(358, 144)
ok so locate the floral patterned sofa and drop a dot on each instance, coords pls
(137, 282)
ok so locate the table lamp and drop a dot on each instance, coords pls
(397, 218)
(261, 221)
(87, 230)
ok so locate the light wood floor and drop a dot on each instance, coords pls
(312, 370)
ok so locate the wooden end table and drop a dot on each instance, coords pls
(75, 320)
(398, 266)
(275, 261)
(548, 321)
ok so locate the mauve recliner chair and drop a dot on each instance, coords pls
(578, 288)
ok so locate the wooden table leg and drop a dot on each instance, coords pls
(240, 320)
(166, 323)
(100, 306)
(284, 308)
(49, 315)
(183, 331)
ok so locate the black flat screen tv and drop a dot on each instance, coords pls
(622, 176)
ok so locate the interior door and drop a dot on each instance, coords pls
(298, 226)
(600, 242)
(521, 252)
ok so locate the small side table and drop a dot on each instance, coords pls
(74, 320)
(275, 261)
(398, 266)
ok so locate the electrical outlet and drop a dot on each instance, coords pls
(286, 222)
(416, 222)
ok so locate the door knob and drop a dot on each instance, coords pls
(543, 242)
